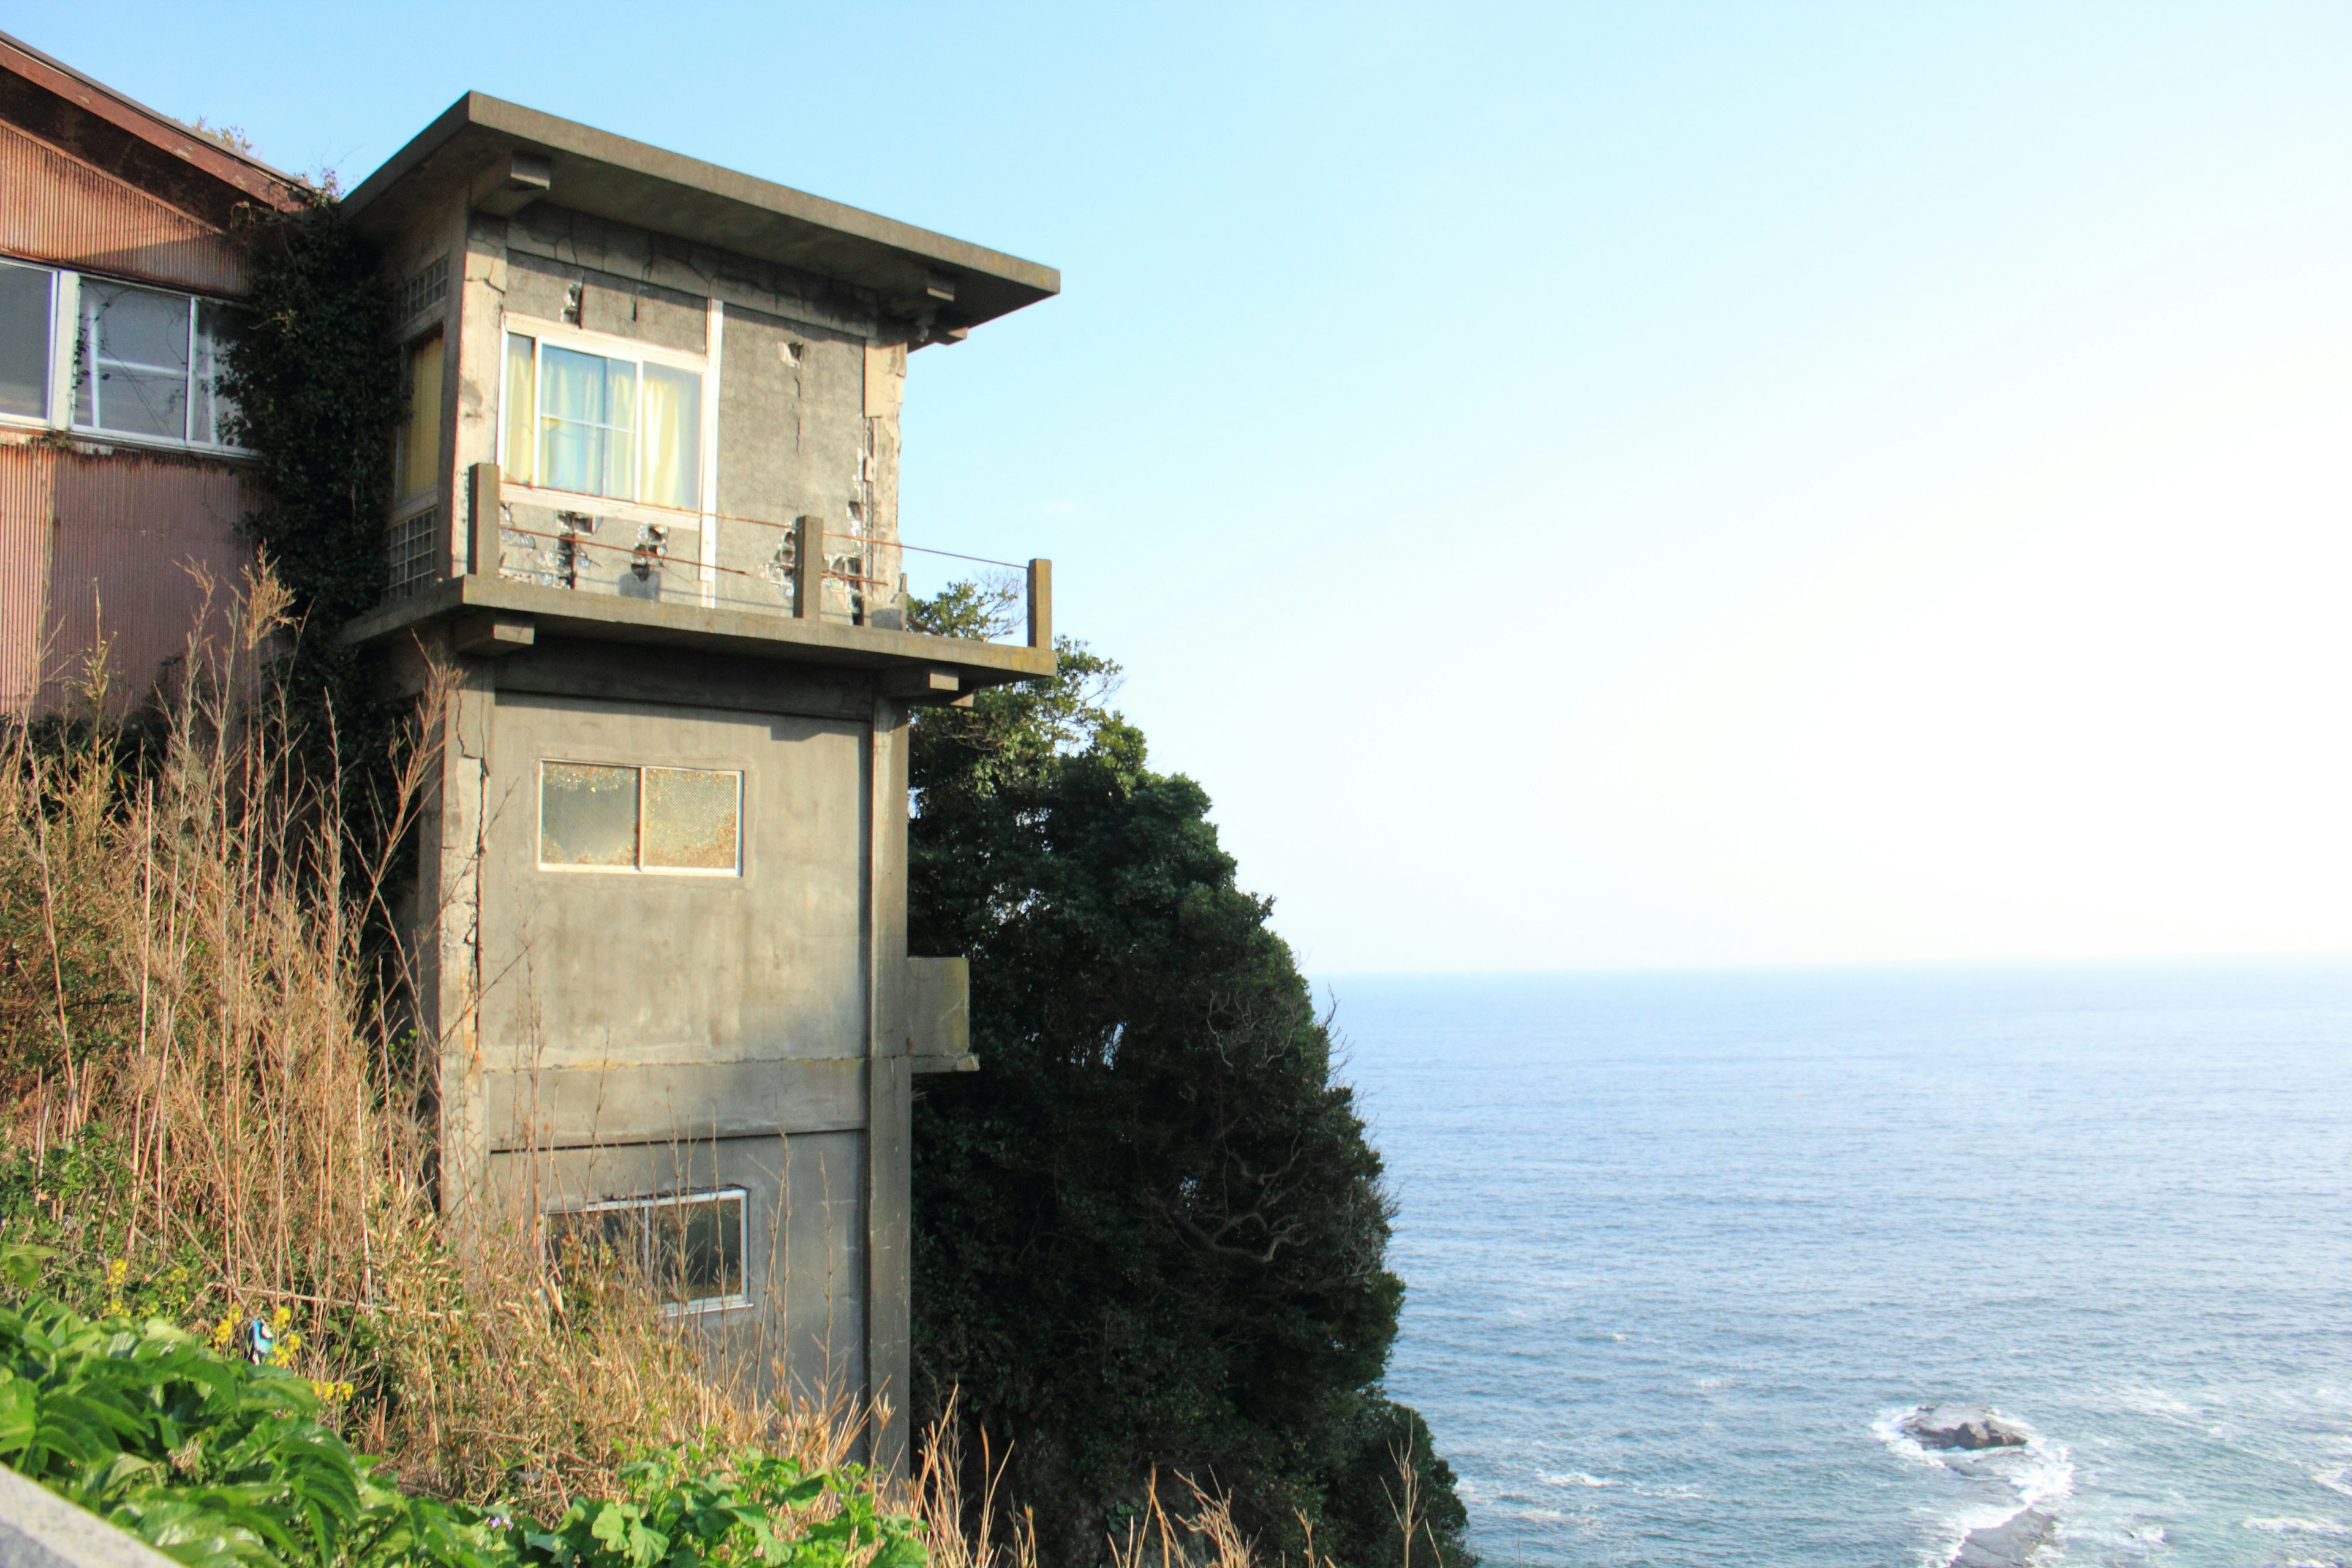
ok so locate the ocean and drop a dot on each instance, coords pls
(1681, 1250)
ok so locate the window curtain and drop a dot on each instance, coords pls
(588, 418)
(420, 437)
(521, 411)
(673, 425)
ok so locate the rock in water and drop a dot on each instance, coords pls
(2009, 1544)
(1960, 1426)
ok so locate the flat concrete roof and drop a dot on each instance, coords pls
(610, 176)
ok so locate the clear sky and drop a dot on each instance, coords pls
(1585, 486)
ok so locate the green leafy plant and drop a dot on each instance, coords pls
(221, 1464)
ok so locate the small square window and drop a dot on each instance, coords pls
(600, 816)
(587, 815)
(687, 1246)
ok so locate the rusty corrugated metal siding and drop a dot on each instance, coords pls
(112, 543)
(55, 207)
(27, 505)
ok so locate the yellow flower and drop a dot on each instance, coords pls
(117, 1271)
(281, 1318)
(293, 1343)
(224, 1330)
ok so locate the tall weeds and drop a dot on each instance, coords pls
(216, 1111)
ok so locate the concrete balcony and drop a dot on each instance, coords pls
(801, 591)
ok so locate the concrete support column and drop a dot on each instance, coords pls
(889, 1141)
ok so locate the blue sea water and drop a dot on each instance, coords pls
(1680, 1248)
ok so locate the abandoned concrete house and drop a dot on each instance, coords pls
(647, 512)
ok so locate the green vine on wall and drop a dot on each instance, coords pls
(318, 392)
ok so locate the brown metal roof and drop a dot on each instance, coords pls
(195, 173)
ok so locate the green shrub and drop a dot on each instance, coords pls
(219, 1463)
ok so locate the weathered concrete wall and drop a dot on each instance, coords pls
(614, 1034)
(808, 390)
(805, 1243)
(595, 968)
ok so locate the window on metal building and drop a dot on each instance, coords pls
(147, 361)
(27, 307)
(687, 1246)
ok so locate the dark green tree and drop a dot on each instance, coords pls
(1149, 1231)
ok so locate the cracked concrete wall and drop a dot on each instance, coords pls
(611, 1017)
(809, 385)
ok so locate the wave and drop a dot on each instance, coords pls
(2299, 1527)
(2036, 1481)
(1573, 1479)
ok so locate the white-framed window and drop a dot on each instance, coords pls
(123, 361)
(606, 816)
(147, 363)
(687, 1246)
(602, 417)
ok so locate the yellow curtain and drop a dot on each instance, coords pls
(673, 429)
(420, 437)
(521, 412)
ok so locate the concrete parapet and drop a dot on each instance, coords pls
(39, 1529)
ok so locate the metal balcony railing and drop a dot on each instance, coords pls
(803, 569)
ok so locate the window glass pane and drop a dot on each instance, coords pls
(420, 434)
(673, 409)
(698, 1248)
(211, 410)
(587, 814)
(691, 820)
(24, 340)
(597, 1242)
(130, 369)
(522, 398)
(588, 408)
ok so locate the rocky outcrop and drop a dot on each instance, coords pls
(2009, 1544)
(1968, 1427)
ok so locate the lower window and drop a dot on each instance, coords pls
(687, 1246)
(615, 817)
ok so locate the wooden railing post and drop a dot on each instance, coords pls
(1041, 603)
(808, 567)
(482, 502)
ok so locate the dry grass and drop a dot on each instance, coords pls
(215, 1114)
(189, 963)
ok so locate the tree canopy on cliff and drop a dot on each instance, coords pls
(1149, 1231)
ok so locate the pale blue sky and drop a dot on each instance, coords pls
(1586, 486)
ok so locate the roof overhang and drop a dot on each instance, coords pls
(502, 154)
(200, 174)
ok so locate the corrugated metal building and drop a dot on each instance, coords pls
(119, 490)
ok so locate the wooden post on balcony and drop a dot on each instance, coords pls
(808, 567)
(1041, 603)
(482, 502)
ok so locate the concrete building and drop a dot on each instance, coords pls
(647, 509)
(118, 281)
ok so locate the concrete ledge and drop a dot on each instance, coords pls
(39, 1529)
(572, 1107)
(755, 633)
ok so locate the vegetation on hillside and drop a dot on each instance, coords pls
(1149, 1231)
(223, 1464)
